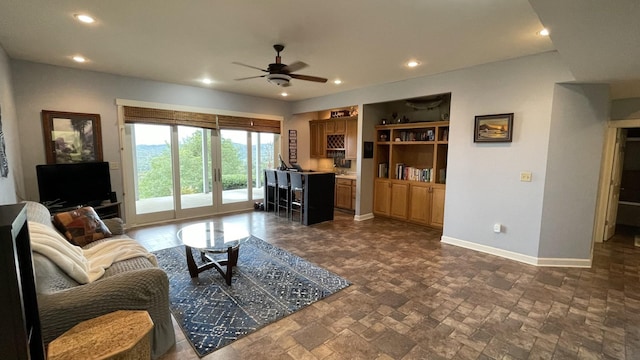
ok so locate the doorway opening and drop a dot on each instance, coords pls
(618, 217)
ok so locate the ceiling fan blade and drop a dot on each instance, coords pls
(249, 66)
(251, 77)
(295, 66)
(308, 78)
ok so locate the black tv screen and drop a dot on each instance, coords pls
(69, 185)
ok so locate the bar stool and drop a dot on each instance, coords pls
(271, 191)
(283, 196)
(297, 195)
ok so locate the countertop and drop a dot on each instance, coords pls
(346, 176)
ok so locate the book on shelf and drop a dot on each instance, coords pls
(410, 173)
(383, 170)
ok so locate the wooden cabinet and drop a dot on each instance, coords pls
(437, 206)
(426, 204)
(344, 194)
(334, 138)
(382, 197)
(351, 136)
(20, 326)
(411, 159)
(335, 126)
(399, 197)
(419, 211)
(318, 139)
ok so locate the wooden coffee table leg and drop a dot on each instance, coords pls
(191, 263)
(232, 260)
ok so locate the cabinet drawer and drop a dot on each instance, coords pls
(345, 182)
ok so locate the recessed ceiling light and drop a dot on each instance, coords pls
(79, 59)
(543, 32)
(284, 94)
(207, 81)
(337, 81)
(87, 19)
(413, 63)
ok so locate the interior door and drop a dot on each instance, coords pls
(614, 188)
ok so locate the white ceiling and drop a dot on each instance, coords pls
(361, 42)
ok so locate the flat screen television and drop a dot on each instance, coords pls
(69, 185)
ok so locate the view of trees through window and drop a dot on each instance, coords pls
(155, 173)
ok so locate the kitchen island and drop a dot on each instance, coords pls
(318, 196)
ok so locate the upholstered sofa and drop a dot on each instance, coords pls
(132, 284)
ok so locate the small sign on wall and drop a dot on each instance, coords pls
(293, 146)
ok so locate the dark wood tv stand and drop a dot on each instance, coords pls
(105, 211)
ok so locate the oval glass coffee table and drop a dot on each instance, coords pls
(206, 238)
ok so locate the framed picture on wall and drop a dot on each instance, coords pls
(71, 137)
(493, 128)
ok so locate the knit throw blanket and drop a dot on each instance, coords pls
(84, 266)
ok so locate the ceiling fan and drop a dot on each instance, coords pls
(279, 73)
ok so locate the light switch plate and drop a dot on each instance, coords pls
(114, 165)
(525, 176)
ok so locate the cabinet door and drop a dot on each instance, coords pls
(382, 197)
(420, 204)
(343, 195)
(437, 206)
(399, 200)
(351, 139)
(318, 140)
(339, 126)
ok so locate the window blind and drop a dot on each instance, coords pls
(248, 124)
(134, 114)
(169, 117)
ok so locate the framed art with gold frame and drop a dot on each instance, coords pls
(71, 137)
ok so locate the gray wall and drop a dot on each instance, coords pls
(11, 188)
(43, 87)
(624, 109)
(483, 184)
(578, 121)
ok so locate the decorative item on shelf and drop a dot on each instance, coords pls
(444, 117)
(340, 113)
(404, 119)
(493, 128)
(430, 135)
(383, 137)
(394, 116)
(353, 111)
(383, 122)
(398, 139)
(445, 135)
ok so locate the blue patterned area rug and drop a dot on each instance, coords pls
(268, 284)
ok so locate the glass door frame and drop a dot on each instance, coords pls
(128, 173)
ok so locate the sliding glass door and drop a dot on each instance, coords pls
(181, 172)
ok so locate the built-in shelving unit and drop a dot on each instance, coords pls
(409, 183)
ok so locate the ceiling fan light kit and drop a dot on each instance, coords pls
(281, 74)
(279, 79)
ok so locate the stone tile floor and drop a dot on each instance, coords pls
(415, 298)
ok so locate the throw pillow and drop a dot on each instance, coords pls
(115, 225)
(81, 226)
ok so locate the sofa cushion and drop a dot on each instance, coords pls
(81, 226)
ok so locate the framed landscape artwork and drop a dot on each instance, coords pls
(71, 137)
(493, 128)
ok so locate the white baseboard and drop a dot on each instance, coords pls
(531, 260)
(368, 216)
